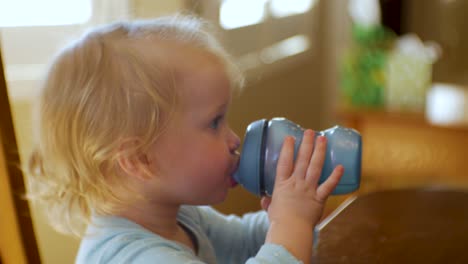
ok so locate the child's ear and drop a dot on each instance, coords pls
(133, 162)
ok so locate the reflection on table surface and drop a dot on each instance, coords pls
(397, 226)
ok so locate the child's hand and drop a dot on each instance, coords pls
(296, 195)
(298, 201)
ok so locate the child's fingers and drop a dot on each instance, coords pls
(318, 158)
(324, 190)
(304, 154)
(285, 160)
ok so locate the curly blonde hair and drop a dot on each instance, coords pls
(93, 97)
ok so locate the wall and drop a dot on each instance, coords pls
(335, 37)
(445, 23)
(151, 8)
(294, 93)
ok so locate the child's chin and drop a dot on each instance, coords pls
(220, 197)
(232, 183)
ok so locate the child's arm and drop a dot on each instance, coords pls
(298, 200)
(234, 238)
(238, 239)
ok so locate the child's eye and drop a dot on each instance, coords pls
(215, 123)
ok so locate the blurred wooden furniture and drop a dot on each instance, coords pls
(402, 150)
(397, 226)
(17, 238)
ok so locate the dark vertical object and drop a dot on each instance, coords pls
(391, 11)
(7, 134)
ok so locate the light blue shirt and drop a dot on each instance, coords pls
(219, 239)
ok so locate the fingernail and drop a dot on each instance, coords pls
(341, 168)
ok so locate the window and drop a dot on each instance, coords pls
(20, 13)
(285, 48)
(229, 11)
(283, 8)
(265, 34)
(49, 24)
(254, 12)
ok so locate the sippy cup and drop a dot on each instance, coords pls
(262, 144)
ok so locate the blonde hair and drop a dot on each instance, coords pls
(93, 97)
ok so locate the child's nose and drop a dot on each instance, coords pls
(234, 141)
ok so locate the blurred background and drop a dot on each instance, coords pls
(308, 60)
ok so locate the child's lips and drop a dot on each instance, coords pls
(233, 182)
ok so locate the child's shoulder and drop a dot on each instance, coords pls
(111, 239)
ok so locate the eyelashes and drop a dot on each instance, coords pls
(216, 122)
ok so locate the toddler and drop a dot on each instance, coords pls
(134, 146)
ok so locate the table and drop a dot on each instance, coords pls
(396, 226)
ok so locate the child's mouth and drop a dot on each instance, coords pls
(233, 182)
